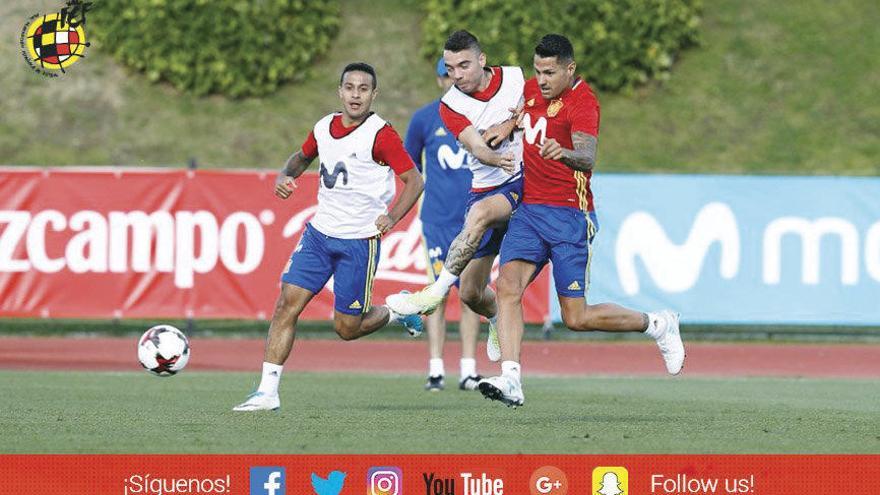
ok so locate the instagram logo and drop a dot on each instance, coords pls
(384, 481)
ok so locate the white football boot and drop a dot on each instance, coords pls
(258, 401)
(504, 389)
(670, 344)
(493, 347)
(418, 303)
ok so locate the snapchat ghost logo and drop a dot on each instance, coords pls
(610, 481)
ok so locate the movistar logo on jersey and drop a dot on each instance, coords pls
(534, 134)
(331, 178)
(449, 158)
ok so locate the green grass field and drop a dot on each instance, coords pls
(778, 86)
(82, 412)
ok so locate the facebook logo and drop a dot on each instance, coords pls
(267, 480)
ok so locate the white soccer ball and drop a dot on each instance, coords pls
(163, 350)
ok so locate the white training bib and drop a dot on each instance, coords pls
(354, 190)
(485, 114)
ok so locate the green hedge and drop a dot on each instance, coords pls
(234, 47)
(618, 43)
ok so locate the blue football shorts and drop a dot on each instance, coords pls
(559, 234)
(490, 244)
(351, 262)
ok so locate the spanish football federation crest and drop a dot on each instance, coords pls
(554, 108)
(437, 266)
(50, 43)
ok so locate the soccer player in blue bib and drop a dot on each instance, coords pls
(447, 176)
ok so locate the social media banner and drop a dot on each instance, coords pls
(439, 474)
(739, 249)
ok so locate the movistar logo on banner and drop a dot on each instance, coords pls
(740, 249)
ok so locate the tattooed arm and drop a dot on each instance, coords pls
(582, 157)
(293, 168)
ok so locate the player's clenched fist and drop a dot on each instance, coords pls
(384, 223)
(284, 186)
(551, 149)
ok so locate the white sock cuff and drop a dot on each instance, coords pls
(656, 326)
(511, 369)
(435, 367)
(468, 367)
(392, 316)
(270, 367)
(444, 281)
(270, 379)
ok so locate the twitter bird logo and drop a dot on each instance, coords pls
(330, 486)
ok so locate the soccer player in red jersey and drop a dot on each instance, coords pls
(557, 221)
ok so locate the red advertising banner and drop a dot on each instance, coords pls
(440, 474)
(144, 243)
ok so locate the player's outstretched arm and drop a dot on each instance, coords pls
(582, 157)
(413, 184)
(474, 143)
(293, 168)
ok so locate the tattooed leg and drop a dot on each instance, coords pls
(463, 248)
(486, 213)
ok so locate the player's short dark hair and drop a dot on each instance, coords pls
(555, 45)
(462, 40)
(362, 67)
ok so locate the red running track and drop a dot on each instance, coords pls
(547, 358)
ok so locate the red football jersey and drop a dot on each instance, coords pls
(551, 182)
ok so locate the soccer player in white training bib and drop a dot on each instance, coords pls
(447, 180)
(359, 155)
(481, 97)
(557, 221)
